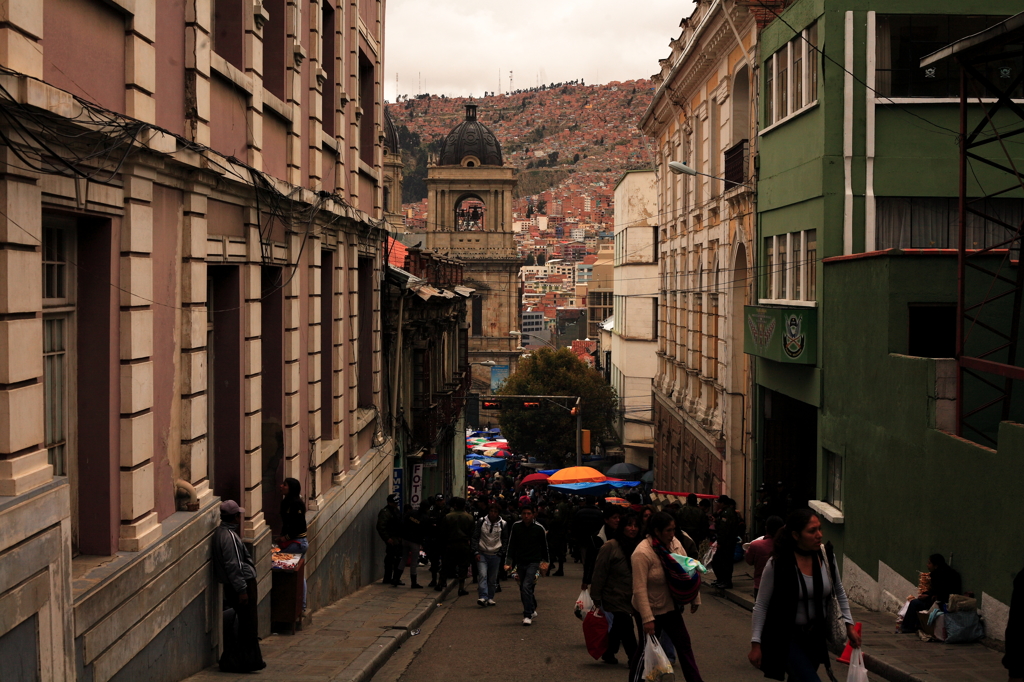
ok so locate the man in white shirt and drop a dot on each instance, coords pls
(489, 540)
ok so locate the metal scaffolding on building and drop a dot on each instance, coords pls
(990, 361)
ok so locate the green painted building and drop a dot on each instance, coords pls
(855, 325)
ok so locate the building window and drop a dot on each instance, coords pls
(367, 104)
(933, 222)
(227, 32)
(58, 318)
(903, 39)
(791, 263)
(791, 76)
(275, 43)
(328, 58)
(833, 479)
(931, 330)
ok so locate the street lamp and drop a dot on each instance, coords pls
(485, 363)
(680, 168)
(520, 334)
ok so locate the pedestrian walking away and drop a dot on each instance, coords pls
(788, 624)
(760, 550)
(489, 538)
(657, 594)
(528, 554)
(727, 528)
(413, 529)
(389, 528)
(612, 589)
(234, 568)
(458, 533)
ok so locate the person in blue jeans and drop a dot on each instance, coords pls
(528, 554)
(489, 537)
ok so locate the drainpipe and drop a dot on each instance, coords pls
(396, 367)
(186, 487)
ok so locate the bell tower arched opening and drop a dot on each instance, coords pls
(470, 214)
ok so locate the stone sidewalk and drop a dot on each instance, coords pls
(347, 641)
(898, 658)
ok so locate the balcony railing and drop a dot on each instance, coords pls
(736, 165)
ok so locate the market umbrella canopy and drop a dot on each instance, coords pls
(618, 501)
(648, 477)
(478, 463)
(624, 470)
(497, 444)
(534, 478)
(598, 488)
(577, 475)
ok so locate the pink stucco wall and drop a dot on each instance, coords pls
(83, 46)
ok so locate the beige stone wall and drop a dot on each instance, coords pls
(704, 106)
(118, 604)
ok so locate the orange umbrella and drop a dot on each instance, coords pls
(618, 501)
(577, 475)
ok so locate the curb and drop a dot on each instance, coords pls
(366, 665)
(872, 663)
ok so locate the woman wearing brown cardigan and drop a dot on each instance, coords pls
(656, 610)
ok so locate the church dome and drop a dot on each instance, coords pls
(390, 134)
(470, 143)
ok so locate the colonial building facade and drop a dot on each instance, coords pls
(703, 115)
(469, 217)
(191, 262)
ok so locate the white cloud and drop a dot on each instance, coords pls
(458, 47)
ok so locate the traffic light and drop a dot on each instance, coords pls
(531, 404)
(491, 405)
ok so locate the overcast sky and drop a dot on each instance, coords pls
(458, 47)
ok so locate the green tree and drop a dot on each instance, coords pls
(542, 207)
(541, 259)
(549, 432)
(530, 260)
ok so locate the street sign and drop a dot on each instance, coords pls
(416, 494)
(396, 485)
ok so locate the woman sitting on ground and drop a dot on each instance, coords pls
(943, 581)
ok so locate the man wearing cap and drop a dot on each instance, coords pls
(234, 568)
(389, 528)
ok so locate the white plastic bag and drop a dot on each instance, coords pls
(583, 604)
(657, 667)
(857, 672)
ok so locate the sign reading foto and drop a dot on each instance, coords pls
(788, 335)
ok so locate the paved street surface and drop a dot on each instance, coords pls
(462, 642)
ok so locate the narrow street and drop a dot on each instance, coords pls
(461, 642)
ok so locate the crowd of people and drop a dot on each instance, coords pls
(505, 530)
(629, 551)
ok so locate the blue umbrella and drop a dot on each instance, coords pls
(597, 489)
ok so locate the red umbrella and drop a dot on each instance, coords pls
(534, 478)
(497, 444)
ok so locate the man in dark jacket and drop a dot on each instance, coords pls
(586, 524)
(692, 520)
(389, 528)
(528, 553)
(458, 533)
(433, 542)
(726, 530)
(234, 568)
(412, 539)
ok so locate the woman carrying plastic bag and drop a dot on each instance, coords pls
(857, 672)
(583, 604)
(654, 665)
(661, 589)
